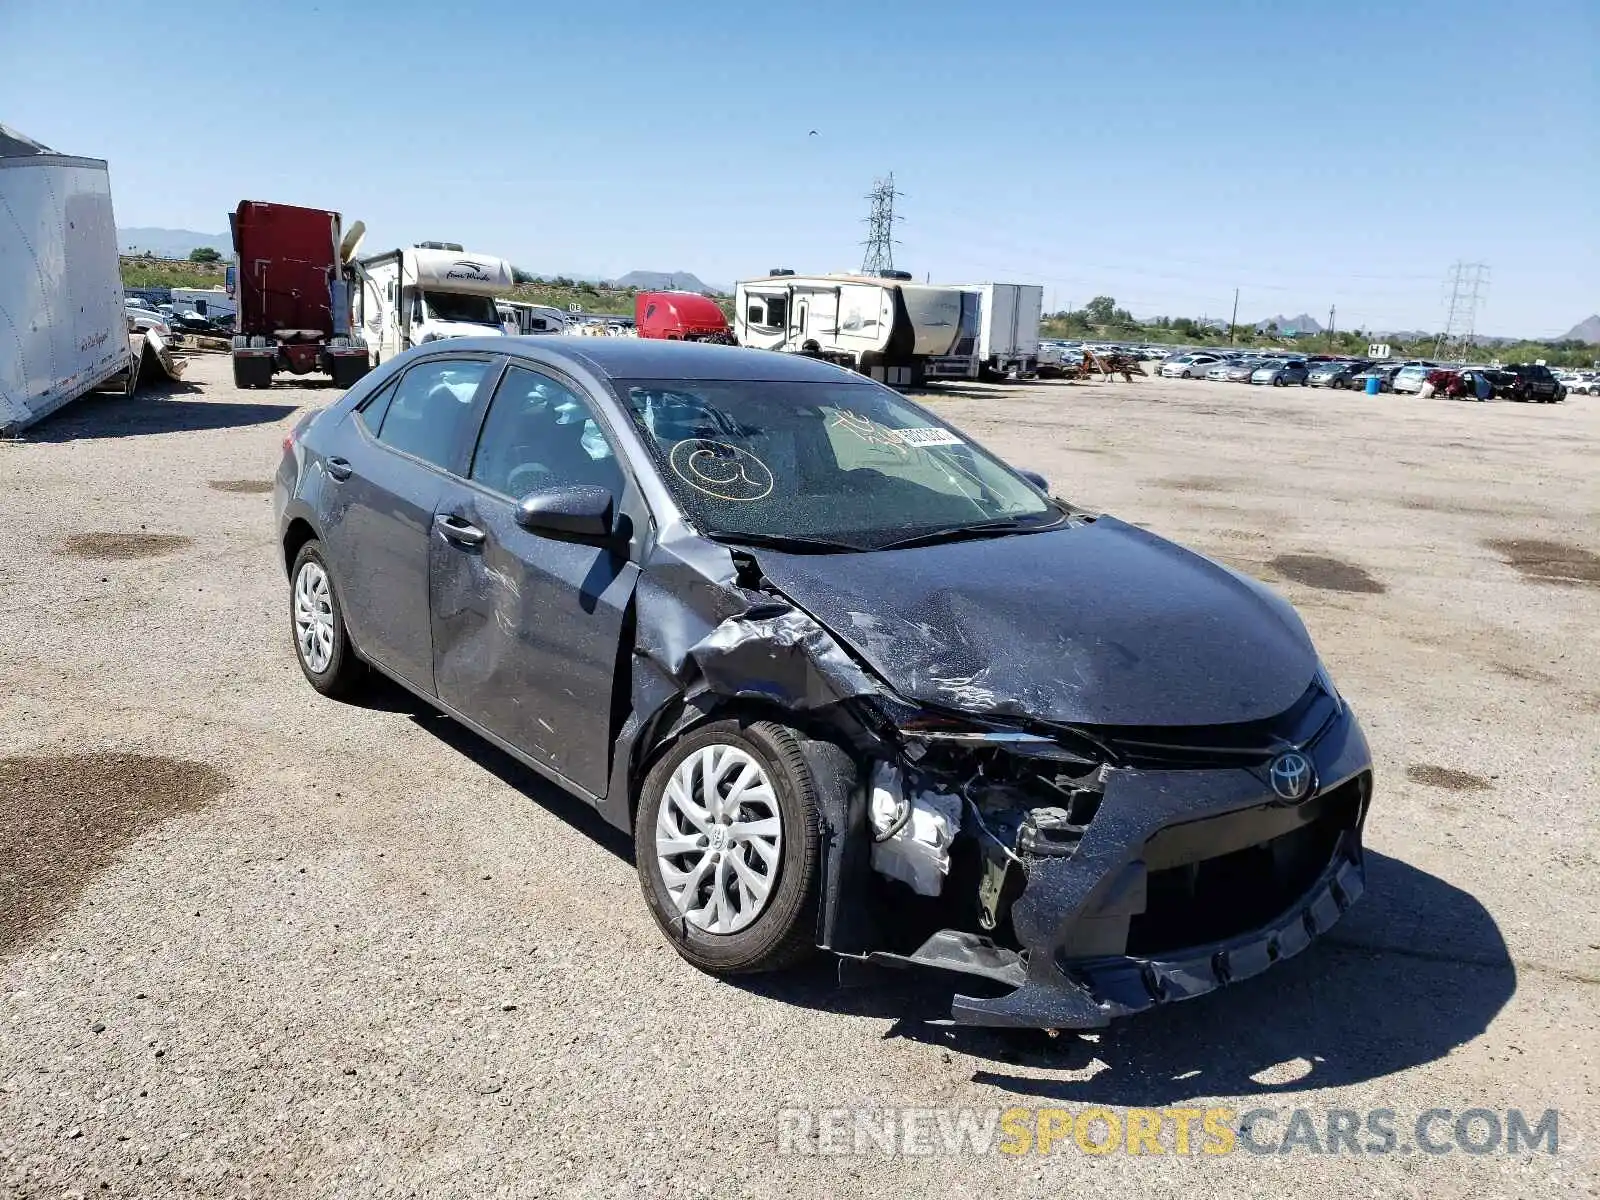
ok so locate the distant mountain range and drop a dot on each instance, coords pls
(1586, 331)
(1301, 324)
(664, 281)
(169, 243)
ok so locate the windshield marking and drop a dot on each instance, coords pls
(721, 469)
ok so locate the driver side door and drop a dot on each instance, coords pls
(527, 629)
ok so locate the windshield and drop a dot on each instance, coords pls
(833, 462)
(452, 306)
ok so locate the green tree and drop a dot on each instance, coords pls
(205, 254)
(1102, 310)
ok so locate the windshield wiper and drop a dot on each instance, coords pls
(786, 541)
(961, 533)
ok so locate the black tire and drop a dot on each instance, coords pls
(785, 932)
(345, 673)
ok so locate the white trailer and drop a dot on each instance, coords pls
(63, 327)
(521, 317)
(884, 326)
(1008, 329)
(208, 302)
(426, 292)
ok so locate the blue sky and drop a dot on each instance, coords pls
(1163, 153)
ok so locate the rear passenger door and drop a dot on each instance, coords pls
(394, 453)
(527, 629)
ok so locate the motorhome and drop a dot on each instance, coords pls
(885, 326)
(426, 292)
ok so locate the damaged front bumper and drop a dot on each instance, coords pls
(1184, 881)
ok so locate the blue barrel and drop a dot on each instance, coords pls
(1373, 386)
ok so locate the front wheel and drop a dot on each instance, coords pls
(728, 849)
(321, 641)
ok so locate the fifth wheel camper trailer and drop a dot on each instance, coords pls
(884, 326)
(426, 292)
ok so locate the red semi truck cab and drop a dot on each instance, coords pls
(680, 316)
(294, 296)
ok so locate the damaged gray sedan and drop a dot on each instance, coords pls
(850, 681)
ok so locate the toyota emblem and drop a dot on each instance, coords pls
(1292, 776)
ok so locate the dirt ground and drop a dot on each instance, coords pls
(253, 942)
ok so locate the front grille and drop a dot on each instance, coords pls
(1212, 899)
(1233, 745)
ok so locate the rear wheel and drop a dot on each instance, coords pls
(728, 849)
(321, 642)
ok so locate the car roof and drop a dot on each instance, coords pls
(654, 358)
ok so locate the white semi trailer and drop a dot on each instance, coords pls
(884, 326)
(63, 326)
(426, 292)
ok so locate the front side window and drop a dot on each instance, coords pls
(539, 433)
(430, 408)
(844, 463)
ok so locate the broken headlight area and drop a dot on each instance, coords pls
(1097, 872)
(957, 824)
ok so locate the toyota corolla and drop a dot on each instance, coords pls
(850, 681)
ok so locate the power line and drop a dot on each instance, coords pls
(1467, 281)
(880, 241)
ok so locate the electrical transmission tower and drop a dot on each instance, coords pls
(880, 241)
(1467, 284)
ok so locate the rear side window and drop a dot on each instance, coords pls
(429, 408)
(371, 413)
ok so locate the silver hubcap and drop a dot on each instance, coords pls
(719, 836)
(313, 617)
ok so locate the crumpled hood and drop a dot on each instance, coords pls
(1101, 624)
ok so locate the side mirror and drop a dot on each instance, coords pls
(581, 512)
(1038, 480)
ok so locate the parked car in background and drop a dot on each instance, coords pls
(735, 601)
(1189, 366)
(1281, 372)
(1533, 384)
(1240, 369)
(142, 319)
(1500, 380)
(1219, 371)
(1580, 383)
(1335, 374)
(1383, 372)
(1409, 379)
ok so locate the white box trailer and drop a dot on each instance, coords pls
(1008, 329)
(885, 326)
(426, 292)
(63, 328)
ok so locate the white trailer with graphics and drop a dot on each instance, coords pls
(426, 292)
(888, 328)
(63, 325)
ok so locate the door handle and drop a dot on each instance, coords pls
(339, 468)
(458, 530)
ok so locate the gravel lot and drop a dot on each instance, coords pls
(253, 942)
